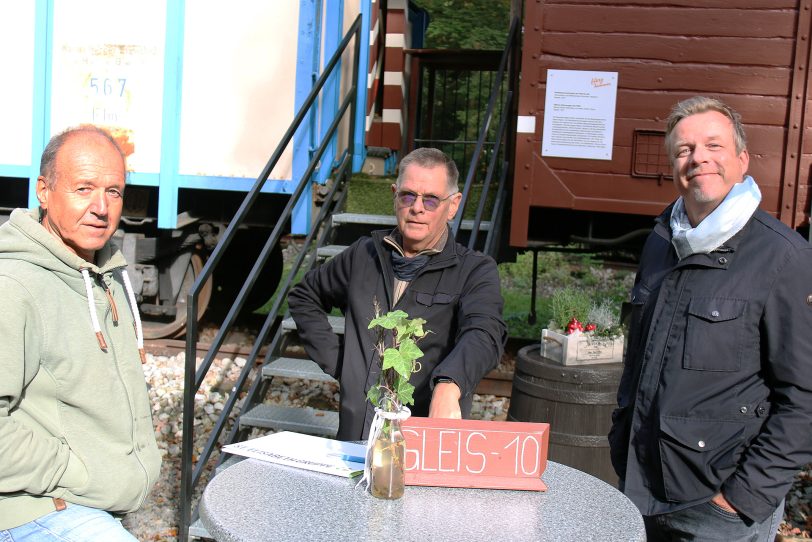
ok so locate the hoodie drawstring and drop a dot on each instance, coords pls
(92, 307)
(110, 300)
(139, 331)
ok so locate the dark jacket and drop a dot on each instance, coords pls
(716, 392)
(457, 293)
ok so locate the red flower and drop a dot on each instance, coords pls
(573, 326)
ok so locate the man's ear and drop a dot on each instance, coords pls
(744, 159)
(454, 204)
(42, 192)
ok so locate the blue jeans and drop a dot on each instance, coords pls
(75, 523)
(708, 521)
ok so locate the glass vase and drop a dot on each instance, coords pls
(387, 452)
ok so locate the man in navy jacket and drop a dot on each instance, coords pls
(715, 403)
(417, 268)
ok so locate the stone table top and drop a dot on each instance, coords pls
(255, 501)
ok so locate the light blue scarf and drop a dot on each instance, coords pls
(723, 223)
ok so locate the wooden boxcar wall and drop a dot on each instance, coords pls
(752, 54)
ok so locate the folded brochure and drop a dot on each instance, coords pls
(305, 452)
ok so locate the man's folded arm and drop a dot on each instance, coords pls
(481, 332)
(310, 301)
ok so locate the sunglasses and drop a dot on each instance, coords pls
(430, 201)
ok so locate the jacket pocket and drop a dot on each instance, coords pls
(434, 299)
(697, 456)
(714, 333)
(75, 478)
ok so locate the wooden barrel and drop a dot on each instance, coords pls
(577, 401)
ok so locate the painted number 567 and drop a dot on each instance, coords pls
(108, 86)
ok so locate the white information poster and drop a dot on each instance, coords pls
(579, 114)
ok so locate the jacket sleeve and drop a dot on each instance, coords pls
(481, 332)
(320, 291)
(768, 466)
(33, 461)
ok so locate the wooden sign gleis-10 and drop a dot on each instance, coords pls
(475, 453)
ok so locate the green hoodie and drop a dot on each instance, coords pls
(75, 418)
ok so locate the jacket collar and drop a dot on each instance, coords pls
(719, 257)
(446, 257)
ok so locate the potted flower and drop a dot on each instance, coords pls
(582, 331)
(397, 350)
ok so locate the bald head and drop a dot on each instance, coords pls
(83, 133)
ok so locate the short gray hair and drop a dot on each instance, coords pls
(702, 104)
(428, 157)
(47, 163)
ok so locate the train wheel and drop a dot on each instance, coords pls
(162, 329)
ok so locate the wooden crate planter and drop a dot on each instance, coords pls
(581, 349)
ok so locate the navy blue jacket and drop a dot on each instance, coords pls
(457, 293)
(716, 392)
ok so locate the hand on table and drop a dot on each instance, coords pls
(445, 402)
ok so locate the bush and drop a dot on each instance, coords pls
(598, 287)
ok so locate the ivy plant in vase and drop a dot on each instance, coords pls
(397, 350)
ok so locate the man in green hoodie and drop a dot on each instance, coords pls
(76, 438)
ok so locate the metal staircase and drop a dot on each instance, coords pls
(278, 332)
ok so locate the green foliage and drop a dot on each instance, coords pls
(607, 319)
(569, 303)
(466, 24)
(605, 288)
(370, 195)
(399, 360)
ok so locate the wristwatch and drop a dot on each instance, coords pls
(443, 380)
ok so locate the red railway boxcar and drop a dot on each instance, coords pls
(752, 54)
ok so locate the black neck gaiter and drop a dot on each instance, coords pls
(406, 269)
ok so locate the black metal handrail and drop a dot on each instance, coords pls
(510, 52)
(332, 202)
(193, 379)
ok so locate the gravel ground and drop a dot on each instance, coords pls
(157, 519)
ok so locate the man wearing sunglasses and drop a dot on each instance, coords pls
(417, 268)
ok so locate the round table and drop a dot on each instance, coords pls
(255, 501)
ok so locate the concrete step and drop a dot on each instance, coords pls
(304, 369)
(328, 251)
(336, 322)
(389, 220)
(359, 218)
(302, 420)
